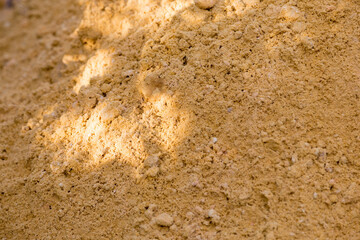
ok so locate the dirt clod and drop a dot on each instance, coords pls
(164, 220)
(205, 4)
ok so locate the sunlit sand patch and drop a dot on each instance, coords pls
(116, 26)
(174, 123)
(91, 139)
(96, 66)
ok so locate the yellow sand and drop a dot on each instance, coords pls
(158, 119)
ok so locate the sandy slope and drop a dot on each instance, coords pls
(150, 119)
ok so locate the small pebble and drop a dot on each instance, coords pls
(213, 214)
(307, 42)
(298, 27)
(151, 161)
(164, 220)
(315, 195)
(206, 223)
(270, 235)
(108, 9)
(150, 211)
(238, 34)
(128, 73)
(189, 215)
(263, 134)
(224, 186)
(290, 13)
(151, 85)
(145, 227)
(333, 198)
(343, 160)
(214, 140)
(25, 128)
(205, 4)
(152, 172)
(199, 210)
(106, 87)
(329, 169)
(250, 3)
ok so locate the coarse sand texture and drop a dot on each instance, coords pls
(180, 119)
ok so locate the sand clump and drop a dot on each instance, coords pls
(180, 119)
(205, 4)
(164, 220)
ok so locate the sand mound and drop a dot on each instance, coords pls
(162, 119)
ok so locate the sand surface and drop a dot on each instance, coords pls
(175, 119)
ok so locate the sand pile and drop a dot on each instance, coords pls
(163, 119)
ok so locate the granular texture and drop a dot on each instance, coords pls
(163, 119)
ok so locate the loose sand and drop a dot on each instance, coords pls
(164, 119)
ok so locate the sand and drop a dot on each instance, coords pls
(163, 119)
